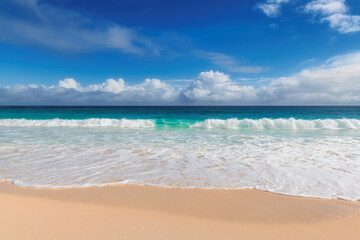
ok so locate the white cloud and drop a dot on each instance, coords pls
(336, 13)
(308, 61)
(69, 83)
(336, 82)
(272, 8)
(228, 62)
(326, 6)
(42, 24)
(111, 85)
(344, 23)
(215, 87)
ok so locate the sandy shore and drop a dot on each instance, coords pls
(141, 212)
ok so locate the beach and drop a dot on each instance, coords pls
(179, 120)
(145, 212)
(179, 173)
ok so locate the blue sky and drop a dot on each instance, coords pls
(255, 44)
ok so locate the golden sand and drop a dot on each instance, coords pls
(142, 212)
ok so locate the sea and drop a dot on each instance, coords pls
(300, 151)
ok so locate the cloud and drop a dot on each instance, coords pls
(308, 61)
(37, 23)
(228, 62)
(70, 92)
(336, 13)
(110, 85)
(214, 87)
(69, 83)
(272, 8)
(326, 6)
(335, 82)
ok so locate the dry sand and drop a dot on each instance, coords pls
(142, 212)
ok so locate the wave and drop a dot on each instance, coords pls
(281, 123)
(91, 122)
(233, 123)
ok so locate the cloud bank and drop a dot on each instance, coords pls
(41, 24)
(336, 82)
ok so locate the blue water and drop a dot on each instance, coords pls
(177, 116)
(302, 151)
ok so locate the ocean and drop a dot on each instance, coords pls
(301, 151)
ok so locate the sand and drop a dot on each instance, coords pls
(143, 212)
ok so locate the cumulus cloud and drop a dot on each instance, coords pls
(111, 85)
(69, 83)
(272, 8)
(336, 13)
(335, 82)
(40, 23)
(70, 92)
(215, 87)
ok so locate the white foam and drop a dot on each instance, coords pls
(281, 123)
(304, 163)
(91, 122)
(233, 123)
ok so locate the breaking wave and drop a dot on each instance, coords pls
(91, 122)
(233, 123)
(290, 123)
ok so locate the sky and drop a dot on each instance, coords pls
(172, 52)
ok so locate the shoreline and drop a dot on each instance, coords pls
(146, 212)
(119, 184)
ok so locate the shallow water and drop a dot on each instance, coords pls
(209, 148)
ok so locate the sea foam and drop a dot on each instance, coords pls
(290, 123)
(310, 161)
(232, 123)
(317, 163)
(91, 122)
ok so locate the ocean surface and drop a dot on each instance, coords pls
(302, 151)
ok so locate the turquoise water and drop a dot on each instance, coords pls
(180, 113)
(303, 151)
(180, 117)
